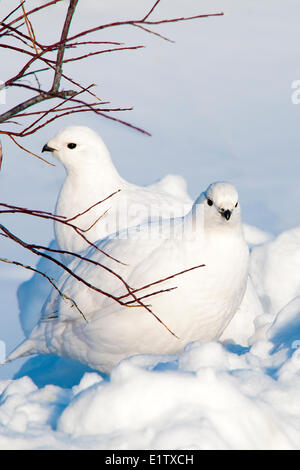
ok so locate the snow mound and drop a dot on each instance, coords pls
(209, 397)
(275, 268)
(256, 236)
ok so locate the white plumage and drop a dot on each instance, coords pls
(200, 308)
(92, 177)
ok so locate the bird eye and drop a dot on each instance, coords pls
(236, 204)
(209, 202)
(71, 146)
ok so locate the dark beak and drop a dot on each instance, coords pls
(46, 148)
(226, 214)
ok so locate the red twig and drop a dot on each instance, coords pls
(102, 52)
(71, 219)
(34, 10)
(164, 279)
(29, 151)
(55, 218)
(150, 11)
(138, 21)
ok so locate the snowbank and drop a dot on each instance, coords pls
(209, 397)
(242, 394)
(212, 396)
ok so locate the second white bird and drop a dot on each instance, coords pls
(201, 306)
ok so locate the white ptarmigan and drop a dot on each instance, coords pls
(199, 308)
(92, 177)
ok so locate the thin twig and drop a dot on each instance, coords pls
(90, 54)
(71, 219)
(34, 10)
(153, 32)
(163, 279)
(29, 29)
(60, 219)
(151, 10)
(29, 151)
(12, 12)
(138, 21)
(30, 268)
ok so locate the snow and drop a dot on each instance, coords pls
(206, 398)
(220, 96)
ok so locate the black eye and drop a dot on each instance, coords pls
(209, 202)
(71, 146)
(236, 204)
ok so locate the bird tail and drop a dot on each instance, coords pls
(24, 349)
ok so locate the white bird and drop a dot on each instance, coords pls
(92, 177)
(199, 308)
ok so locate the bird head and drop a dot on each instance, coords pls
(78, 147)
(219, 206)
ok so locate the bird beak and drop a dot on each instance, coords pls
(46, 148)
(226, 214)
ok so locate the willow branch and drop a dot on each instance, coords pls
(61, 48)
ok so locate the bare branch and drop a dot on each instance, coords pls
(29, 29)
(153, 32)
(66, 97)
(19, 34)
(43, 96)
(61, 49)
(138, 21)
(164, 279)
(102, 52)
(176, 20)
(44, 215)
(35, 72)
(71, 219)
(125, 123)
(151, 11)
(12, 12)
(84, 43)
(34, 10)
